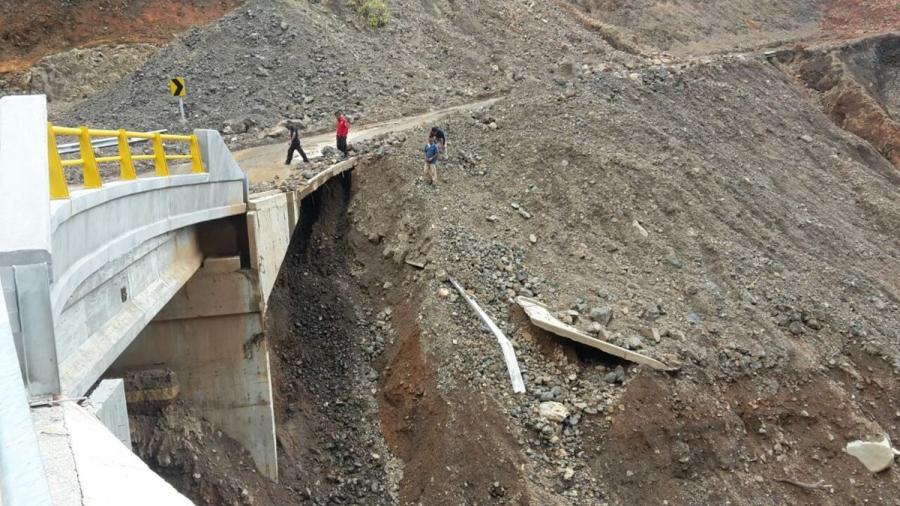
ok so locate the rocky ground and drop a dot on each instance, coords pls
(715, 212)
(776, 299)
(268, 61)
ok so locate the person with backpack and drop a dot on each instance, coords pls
(431, 156)
(343, 129)
(295, 145)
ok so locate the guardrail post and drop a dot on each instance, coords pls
(126, 165)
(58, 187)
(196, 162)
(88, 161)
(159, 152)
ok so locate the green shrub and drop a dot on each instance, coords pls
(374, 12)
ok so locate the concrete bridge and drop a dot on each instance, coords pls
(168, 271)
(129, 277)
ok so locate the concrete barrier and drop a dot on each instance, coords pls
(107, 403)
(88, 466)
(25, 243)
(22, 479)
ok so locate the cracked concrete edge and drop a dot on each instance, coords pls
(58, 457)
(88, 466)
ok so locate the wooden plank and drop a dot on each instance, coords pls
(541, 317)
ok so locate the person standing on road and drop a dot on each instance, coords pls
(440, 138)
(295, 145)
(343, 128)
(431, 156)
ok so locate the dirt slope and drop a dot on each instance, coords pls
(856, 85)
(767, 272)
(271, 60)
(38, 28)
(700, 27)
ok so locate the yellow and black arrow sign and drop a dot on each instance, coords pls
(176, 86)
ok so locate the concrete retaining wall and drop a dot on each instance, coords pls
(271, 219)
(211, 335)
(269, 230)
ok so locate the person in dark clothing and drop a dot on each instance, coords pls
(343, 128)
(295, 145)
(439, 138)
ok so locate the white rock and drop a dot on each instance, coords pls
(443, 293)
(568, 474)
(640, 230)
(876, 456)
(553, 411)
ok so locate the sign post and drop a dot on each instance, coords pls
(176, 87)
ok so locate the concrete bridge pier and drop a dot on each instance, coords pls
(210, 335)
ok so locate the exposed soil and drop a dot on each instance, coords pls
(454, 445)
(725, 25)
(271, 60)
(858, 17)
(198, 459)
(42, 27)
(856, 86)
(321, 333)
(740, 260)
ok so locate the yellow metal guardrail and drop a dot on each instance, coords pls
(89, 162)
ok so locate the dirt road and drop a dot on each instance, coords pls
(263, 163)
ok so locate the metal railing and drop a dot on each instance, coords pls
(89, 162)
(105, 142)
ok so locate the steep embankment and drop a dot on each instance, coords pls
(273, 60)
(72, 50)
(856, 85)
(767, 271)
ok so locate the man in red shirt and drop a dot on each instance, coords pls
(343, 128)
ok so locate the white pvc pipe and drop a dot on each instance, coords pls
(509, 354)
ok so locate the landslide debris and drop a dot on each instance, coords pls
(709, 26)
(856, 85)
(272, 60)
(763, 269)
(73, 50)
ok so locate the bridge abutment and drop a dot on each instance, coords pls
(211, 335)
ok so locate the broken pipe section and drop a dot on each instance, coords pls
(509, 355)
